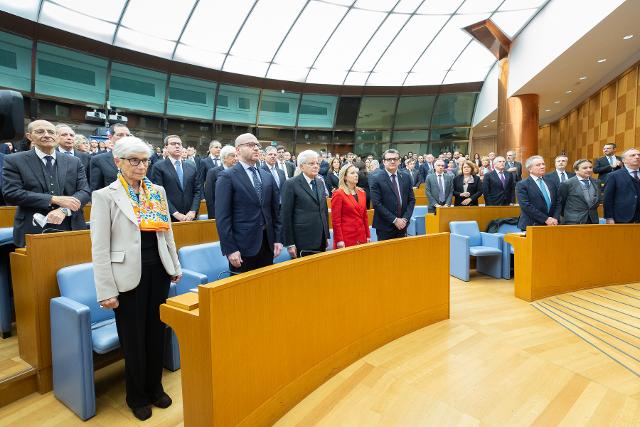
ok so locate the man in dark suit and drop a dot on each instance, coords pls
(102, 167)
(212, 160)
(392, 198)
(180, 180)
(324, 164)
(45, 182)
(270, 165)
(428, 167)
(304, 214)
(608, 163)
(560, 174)
(512, 166)
(247, 210)
(414, 174)
(538, 198)
(580, 196)
(622, 191)
(228, 156)
(439, 187)
(285, 166)
(66, 137)
(498, 185)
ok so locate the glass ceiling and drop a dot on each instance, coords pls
(361, 42)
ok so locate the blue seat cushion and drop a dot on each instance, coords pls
(6, 235)
(484, 251)
(104, 336)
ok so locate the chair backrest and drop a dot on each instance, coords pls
(469, 229)
(508, 228)
(372, 232)
(205, 258)
(420, 210)
(76, 282)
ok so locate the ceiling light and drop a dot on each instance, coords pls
(583, 77)
(485, 126)
(547, 110)
(556, 102)
(627, 37)
(600, 61)
(493, 121)
(568, 92)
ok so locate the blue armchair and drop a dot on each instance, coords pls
(416, 225)
(6, 238)
(507, 249)
(203, 262)
(468, 241)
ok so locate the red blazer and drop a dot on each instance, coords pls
(349, 218)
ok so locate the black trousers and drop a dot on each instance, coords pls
(263, 258)
(142, 334)
(393, 234)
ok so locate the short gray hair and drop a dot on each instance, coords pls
(270, 148)
(438, 161)
(532, 159)
(303, 157)
(213, 142)
(226, 151)
(62, 126)
(129, 145)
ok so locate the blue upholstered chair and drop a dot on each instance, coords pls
(80, 328)
(416, 225)
(6, 238)
(203, 262)
(507, 249)
(468, 241)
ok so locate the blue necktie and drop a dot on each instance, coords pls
(545, 194)
(180, 174)
(257, 184)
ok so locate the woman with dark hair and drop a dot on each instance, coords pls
(477, 160)
(332, 174)
(467, 188)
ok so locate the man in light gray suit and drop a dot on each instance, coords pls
(580, 196)
(439, 187)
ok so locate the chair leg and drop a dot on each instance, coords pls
(490, 265)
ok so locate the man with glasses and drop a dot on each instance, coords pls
(180, 180)
(43, 181)
(439, 187)
(212, 160)
(102, 167)
(392, 198)
(247, 210)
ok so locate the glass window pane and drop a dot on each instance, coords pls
(313, 137)
(227, 133)
(343, 137)
(240, 104)
(373, 136)
(449, 134)
(317, 111)
(137, 88)
(376, 149)
(414, 111)
(15, 62)
(347, 113)
(278, 108)
(411, 135)
(454, 109)
(376, 112)
(405, 149)
(276, 136)
(191, 97)
(441, 147)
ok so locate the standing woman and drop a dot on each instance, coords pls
(348, 211)
(332, 175)
(477, 160)
(134, 261)
(466, 186)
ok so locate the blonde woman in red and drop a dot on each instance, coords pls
(349, 210)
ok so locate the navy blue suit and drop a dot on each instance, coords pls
(533, 208)
(103, 170)
(622, 197)
(242, 218)
(555, 179)
(384, 201)
(179, 199)
(494, 193)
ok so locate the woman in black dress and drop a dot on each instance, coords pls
(467, 187)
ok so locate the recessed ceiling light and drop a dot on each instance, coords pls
(556, 102)
(627, 37)
(493, 121)
(485, 126)
(600, 61)
(547, 110)
(583, 77)
(568, 92)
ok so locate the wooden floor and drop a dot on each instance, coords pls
(10, 362)
(498, 361)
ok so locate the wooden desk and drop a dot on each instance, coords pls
(6, 216)
(255, 344)
(555, 260)
(34, 271)
(439, 222)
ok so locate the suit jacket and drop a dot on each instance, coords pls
(304, 215)
(533, 208)
(603, 168)
(205, 165)
(241, 216)
(416, 177)
(518, 173)
(363, 183)
(426, 169)
(103, 170)
(324, 167)
(24, 186)
(349, 218)
(494, 193)
(475, 188)
(332, 182)
(553, 177)
(115, 242)
(384, 201)
(85, 159)
(210, 190)
(574, 207)
(290, 168)
(431, 189)
(281, 177)
(621, 197)
(180, 199)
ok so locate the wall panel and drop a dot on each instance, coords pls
(15, 62)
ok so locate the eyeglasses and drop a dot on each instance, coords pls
(43, 131)
(136, 162)
(392, 159)
(175, 143)
(251, 145)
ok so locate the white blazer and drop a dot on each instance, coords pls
(115, 242)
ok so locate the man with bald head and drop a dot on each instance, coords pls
(248, 210)
(44, 181)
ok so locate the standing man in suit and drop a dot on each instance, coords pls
(45, 182)
(66, 138)
(247, 210)
(498, 185)
(392, 198)
(560, 174)
(428, 166)
(413, 173)
(607, 163)
(580, 196)
(622, 191)
(538, 198)
(228, 156)
(212, 160)
(285, 166)
(103, 170)
(180, 180)
(512, 166)
(439, 187)
(270, 165)
(304, 213)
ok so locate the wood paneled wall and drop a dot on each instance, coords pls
(612, 114)
(483, 145)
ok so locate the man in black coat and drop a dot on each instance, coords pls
(608, 163)
(538, 198)
(622, 192)
(285, 166)
(180, 180)
(66, 138)
(102, 167)
(211, 161)
(304, 214)
(498, 185)
(228, 156)
(271, 166)
(560, 174)
(513, 166)
(45, 182)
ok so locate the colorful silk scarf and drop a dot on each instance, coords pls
(148, 206)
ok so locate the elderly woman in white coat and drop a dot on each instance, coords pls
(134, 261)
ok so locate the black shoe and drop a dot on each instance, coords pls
(142, 413)
(164, 401)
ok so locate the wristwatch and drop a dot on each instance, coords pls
(66, 211)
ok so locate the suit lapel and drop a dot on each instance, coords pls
(63, 166)
(122, 200)
(172, 170)
(303, 183)
(37, 167)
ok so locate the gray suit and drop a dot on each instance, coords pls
(579, 205)
(433, 192)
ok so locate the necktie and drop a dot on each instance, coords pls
(611, 161)
(274, 172)
(67, 152)
(585, 183)
(545, 193)
(257, 184)
(314, 189)
(635, 174)
(180, 173)
(440, 189)
(49, 165)
(563, 177)
(501, 175)
(394, 184)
